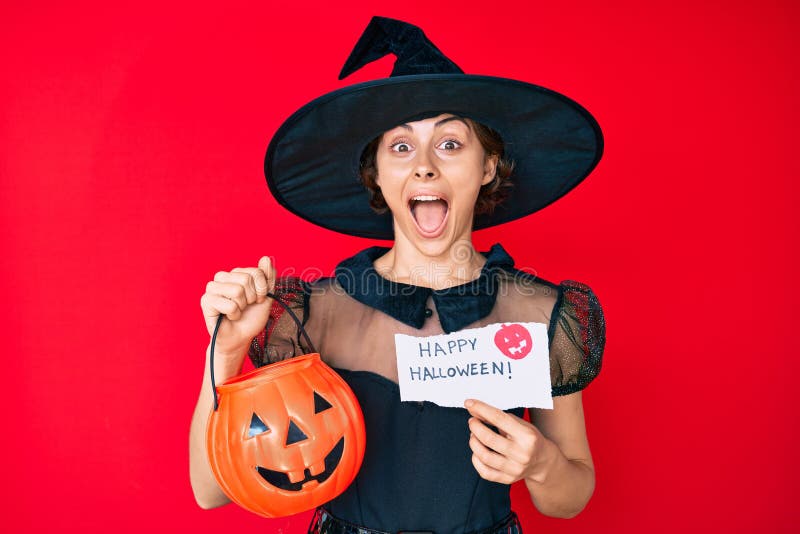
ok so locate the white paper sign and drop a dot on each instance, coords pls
(506, 365)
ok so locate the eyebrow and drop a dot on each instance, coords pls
(439, 123)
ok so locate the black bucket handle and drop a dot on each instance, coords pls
(219, 322)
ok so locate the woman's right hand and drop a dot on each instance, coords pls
(241, 295)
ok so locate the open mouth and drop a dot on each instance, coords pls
(290, 482)
(429, 212)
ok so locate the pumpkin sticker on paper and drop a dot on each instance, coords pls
(514, 340)
(504, 364)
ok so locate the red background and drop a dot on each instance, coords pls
(131, 149)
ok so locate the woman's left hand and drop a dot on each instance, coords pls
(518, 451)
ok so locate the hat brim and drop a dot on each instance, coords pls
(312, 161)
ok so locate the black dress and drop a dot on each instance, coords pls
(417, 472)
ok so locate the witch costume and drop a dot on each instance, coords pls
(417, 473)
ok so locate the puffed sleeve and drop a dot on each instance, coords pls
(577, 334)
(281, 337)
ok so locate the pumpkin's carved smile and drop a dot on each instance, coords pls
(281, 480)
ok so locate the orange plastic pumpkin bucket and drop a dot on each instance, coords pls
(286, 437)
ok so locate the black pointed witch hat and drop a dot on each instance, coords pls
(312, 162)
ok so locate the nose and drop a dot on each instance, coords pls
(425, 169)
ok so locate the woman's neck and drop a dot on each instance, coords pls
(405, 263)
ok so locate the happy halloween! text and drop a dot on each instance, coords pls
(423, 374)
(430, 349)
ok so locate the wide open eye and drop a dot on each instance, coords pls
(257, 427)
(448, 145)
(400, 146)
(320, 404)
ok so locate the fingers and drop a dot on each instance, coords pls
(517, 437)
(246, 277)
(495, 457)
(261, 279)
(231, 292)
(213, 304)
(253, 282)
(487, 455)
(237, 285)
(266, 283)
(489, 473)
(505, 422)
(502, 457)
(488, 437)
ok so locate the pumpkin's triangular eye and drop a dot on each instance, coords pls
(295, 434)
(320, 404)
(257, 427)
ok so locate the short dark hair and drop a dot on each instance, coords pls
(490, 195)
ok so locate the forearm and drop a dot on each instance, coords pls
(566, 487)
(206, 490)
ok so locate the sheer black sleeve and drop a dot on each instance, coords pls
(577, 333)
(281, 338)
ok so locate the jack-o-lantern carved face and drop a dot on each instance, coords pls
(318, 471)
(514, 340)
(286, 437)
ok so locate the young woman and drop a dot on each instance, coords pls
(432, 151)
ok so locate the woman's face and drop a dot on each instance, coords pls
(430, 173)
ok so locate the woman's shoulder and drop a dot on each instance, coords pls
(576, 324)
(525, 296)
